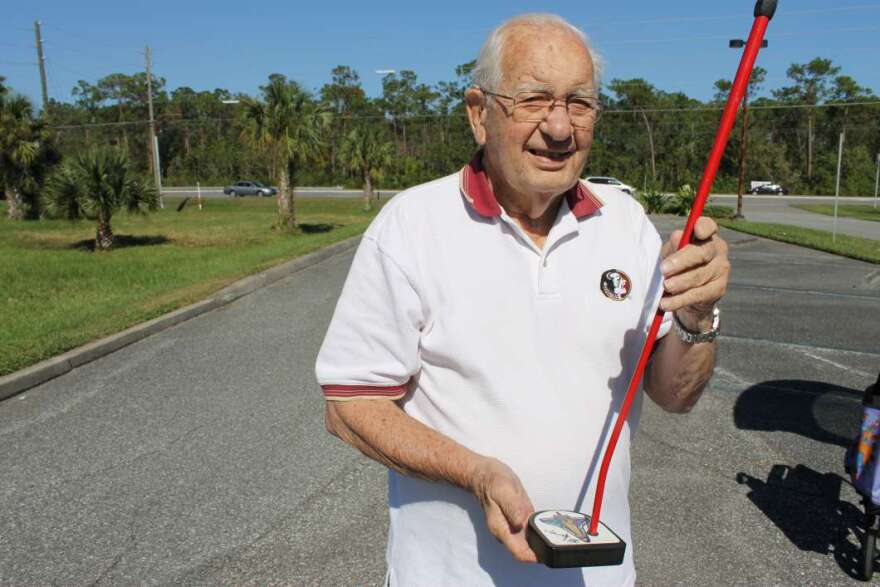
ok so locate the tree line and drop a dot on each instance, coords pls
(415, 132)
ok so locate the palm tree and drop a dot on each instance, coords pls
(95, 185)
(367, 152)
(286, 125)
(26, 154)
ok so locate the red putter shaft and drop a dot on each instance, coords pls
(763, 13)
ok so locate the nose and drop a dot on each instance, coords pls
(557, 125)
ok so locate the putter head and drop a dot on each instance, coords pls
(765, 8)
(561, 539)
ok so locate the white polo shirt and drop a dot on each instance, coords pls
(513, 351)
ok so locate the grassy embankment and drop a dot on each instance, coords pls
(848, 246)
(844, 211)
(55, 294)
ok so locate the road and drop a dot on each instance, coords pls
(307, 192)
(780, 210)
(198, 456)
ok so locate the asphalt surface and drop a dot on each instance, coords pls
(780, 210)
(198, 455)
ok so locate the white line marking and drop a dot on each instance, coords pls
(835, 364)
(732, 376)
(795, 346)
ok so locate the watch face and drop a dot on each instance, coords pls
(695, 337)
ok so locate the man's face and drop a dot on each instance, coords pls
(539, 160)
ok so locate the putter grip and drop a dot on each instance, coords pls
(765, 8)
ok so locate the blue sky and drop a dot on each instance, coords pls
(678, 46)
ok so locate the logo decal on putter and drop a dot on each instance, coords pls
(615, 284)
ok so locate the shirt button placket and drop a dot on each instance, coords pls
(547, 282)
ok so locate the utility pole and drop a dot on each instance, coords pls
(743, 150)
(41, 61)
(154, 142)
(837, 189)
(877, 180)
(744, 136)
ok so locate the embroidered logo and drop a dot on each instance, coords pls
(615, 284)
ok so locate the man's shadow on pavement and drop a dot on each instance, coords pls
(820, 411)
(803, 503)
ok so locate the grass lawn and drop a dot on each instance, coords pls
(55, 294)
(849, 246)
(847, 210)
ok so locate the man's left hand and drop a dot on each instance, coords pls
(695, 278)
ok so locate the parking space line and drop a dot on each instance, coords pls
(796, 346)
(811, 292)
(835, 364)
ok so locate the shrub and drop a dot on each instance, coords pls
(654, 201)
(683, 201)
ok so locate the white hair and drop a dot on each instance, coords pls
(487, 71)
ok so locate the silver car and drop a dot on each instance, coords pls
(599, 180)
(249, 188)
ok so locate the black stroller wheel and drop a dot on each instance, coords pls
(869, 549)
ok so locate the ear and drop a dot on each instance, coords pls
(475, 101)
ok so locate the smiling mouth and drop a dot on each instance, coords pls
(554, 155)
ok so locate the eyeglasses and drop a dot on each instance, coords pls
(583, 111)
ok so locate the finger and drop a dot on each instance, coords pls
(693, 255)
(705, 228)
(704, 296)
(670, 246)
(516, 508)
(691, 279)
(520, 549)
(497, 523)
(515, 542)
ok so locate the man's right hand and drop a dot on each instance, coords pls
(507, 506)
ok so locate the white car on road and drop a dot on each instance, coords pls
(600, 180)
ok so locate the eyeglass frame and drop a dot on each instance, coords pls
(565, 102)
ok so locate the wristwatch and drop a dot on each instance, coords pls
(691, 337)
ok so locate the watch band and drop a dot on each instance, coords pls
(691, 337)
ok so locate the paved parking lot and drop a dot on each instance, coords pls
(749, 488)
(198, 455)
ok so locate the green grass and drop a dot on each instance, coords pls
(849, 211)
(718, 211)
(55, 294)
(849, 246)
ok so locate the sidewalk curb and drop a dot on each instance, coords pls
(20, 381)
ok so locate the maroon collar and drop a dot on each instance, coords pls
(477, 190)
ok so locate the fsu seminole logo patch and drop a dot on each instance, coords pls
(615, 284)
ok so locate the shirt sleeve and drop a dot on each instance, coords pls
(651, 244)
(371, 349)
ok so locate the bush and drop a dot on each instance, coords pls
(683, 201)
(654, 201)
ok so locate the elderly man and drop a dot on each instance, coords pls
(491, 320)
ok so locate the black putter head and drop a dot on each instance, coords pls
(765, 8)
(561, 539)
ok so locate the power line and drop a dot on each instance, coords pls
(765, 107)
(669, 20)
(692, 38)
(91, 41)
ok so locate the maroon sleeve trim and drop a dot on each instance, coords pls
(343, 392)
